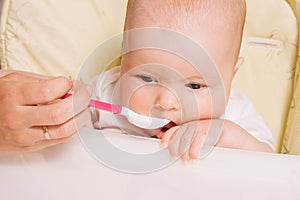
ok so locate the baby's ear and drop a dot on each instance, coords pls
(238, 64)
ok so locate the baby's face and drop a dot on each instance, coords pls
(160, 84)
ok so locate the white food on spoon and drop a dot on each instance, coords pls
(143, 121)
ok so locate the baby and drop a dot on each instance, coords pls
(185, 77)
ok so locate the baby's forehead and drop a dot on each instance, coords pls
(164, 63)
(178, 49)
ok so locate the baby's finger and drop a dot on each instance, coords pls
(169, 135)
(175, 140)
(196, 146)
(186, 141)
(185, 157)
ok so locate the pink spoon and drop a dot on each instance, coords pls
(141, 121)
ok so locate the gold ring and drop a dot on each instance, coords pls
(46, 134)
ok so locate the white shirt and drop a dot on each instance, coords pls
(239, 109)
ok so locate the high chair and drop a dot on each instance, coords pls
(35, 39)
(63, 37)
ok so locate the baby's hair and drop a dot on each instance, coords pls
(186, 14)
(174, 11)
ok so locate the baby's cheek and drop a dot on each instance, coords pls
(205, 108)
(142, 100)
(210, 107)
(197, 106)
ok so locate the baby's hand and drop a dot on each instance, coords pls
(187, 139)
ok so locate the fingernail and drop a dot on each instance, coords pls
(71, 83)
(184, 161)
(194, 161)
(163, 144)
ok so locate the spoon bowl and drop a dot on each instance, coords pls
(143, 121)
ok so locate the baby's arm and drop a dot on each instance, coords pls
(234, 136)
(243, 115)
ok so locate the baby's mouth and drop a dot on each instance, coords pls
(161, 131)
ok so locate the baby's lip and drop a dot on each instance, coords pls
(162, 130)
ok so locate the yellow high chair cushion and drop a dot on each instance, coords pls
(269, 50)
(291, 140)
(54, 37)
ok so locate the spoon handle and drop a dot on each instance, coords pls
(116, 109)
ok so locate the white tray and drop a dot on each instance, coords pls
(69, 171)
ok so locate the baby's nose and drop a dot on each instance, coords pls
(166, 99)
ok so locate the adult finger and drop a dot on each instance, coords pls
(43, 91)
(39, 145)
(72, 126)
(57, 112)
(23, 74)
(44, 144)
(30, 136)
(24, 90)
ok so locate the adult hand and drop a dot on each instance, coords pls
(33, 115)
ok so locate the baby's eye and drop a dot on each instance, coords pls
(195, 86)
(148, 79)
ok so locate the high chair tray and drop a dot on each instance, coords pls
(73, 171)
